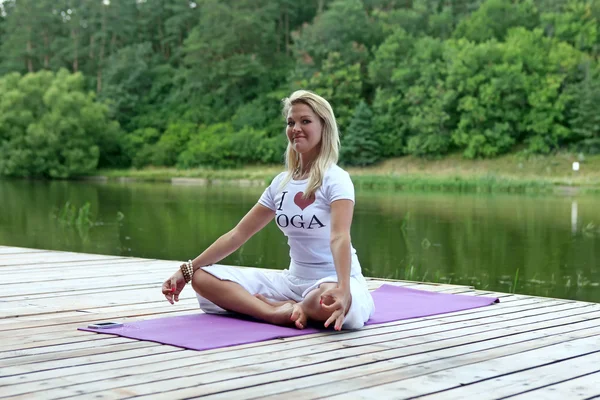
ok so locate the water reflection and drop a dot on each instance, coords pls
(539, 245)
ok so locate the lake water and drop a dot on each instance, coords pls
(540, 245)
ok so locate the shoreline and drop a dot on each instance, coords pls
(511, 173)
(483, 184)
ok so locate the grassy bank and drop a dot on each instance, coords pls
(509, 173)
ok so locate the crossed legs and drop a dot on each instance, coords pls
(233, 297)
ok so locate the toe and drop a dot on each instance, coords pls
(295, 313)
(299, 317)
(303, 321)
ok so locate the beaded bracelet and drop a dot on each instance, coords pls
(188, 271)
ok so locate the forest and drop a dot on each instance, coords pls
(88, 84)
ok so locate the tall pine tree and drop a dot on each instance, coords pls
(358, 146)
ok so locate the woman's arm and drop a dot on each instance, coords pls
(253, 221)
(256, 219)
(339, 299)
(340, 242)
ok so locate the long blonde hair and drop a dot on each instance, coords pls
(329, 146)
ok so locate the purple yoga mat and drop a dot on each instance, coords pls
(206, 331)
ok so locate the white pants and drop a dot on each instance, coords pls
(283, 285)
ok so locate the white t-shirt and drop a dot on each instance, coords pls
(307, 222)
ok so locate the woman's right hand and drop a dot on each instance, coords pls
(173, 286)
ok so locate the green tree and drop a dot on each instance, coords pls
(50, 127)
(578, 23)
(494, 19)
(344, 28)
(413, 107)
(138, 146)
(428, 104)
(482, 76)
(228, 56)
(511, 92)
(420, 17)
(180, 19)
(358, 146)
(262, 113)
(128, 77)
(396, 48)
(492, 98)
(340, 84)
(172, 142)
(2, 33)
(389, 120)
(583, 115)
(30, 27)
(159, 105)
(219, 146)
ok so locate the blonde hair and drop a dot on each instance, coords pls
(330, 140)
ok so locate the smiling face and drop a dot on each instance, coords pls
(304, 130)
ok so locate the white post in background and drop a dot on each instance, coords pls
(574, 205)
(574, 217)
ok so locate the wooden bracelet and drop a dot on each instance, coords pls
(188, 271)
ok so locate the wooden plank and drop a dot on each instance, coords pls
(525, 305)
(42, 269)
(45, 258)
(65, 306)
(7, 251)
(118, 268)
(500, 377)
(265, 378)
(92, 299)
(97, 368)
(136, 367)
(309, 357)
(94, 360)
(12, 343)
(496, 385)
(44, 356)
(84, 318)
(38, 358)
(58, 329)
(75, 293)
(49, 343)
(41, 312)
(105, 340)
(328, 384)
(460, 319)
(509, 376)
(46, 314)
(378, 332)
(584, 387)
(26, 322)
(63, 287)
(57, 325)
(456, 317)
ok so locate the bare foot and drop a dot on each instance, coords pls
(298, 316)
(274, 303)
(289, 313)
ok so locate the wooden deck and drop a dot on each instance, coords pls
(525, 347)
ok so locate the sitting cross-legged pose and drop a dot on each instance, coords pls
(312, 202)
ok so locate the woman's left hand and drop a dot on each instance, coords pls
(336, 300)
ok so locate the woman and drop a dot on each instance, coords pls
(312, 203)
